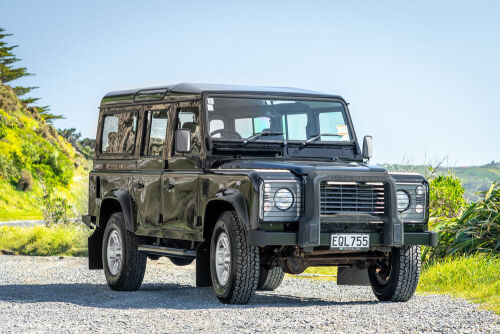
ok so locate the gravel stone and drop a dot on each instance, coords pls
(60, 295)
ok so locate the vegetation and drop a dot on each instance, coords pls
(474, 178)
(476, 230)
(446, 197)
(9, 72)
(41, 173)
(475, 277)
(28, 143)
(68, 240)
(84, 146)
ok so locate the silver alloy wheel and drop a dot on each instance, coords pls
(222, 258)
(114, 252)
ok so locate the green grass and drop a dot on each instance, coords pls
(476, 278)
(25, 205)
(17, 205)
(67, 240)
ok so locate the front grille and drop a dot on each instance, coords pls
(352, 197)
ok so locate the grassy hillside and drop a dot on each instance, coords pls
(31, 154)
(477, 178)
(473, 178)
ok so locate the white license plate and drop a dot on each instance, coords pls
(350, 241)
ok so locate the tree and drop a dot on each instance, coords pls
(85, 146)
(9, 72)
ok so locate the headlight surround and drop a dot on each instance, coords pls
(280, 200)
(284, 199)
(417, 210)
(403, 200)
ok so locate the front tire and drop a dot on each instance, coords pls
(124, 265)
(270, 279)
(396, 279)
(234, 264)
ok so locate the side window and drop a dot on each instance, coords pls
(216, 124)
(118, 134)
(244, 127)
(157, 122)
(247, 127)
(296, 126)
(187, 118)
(261, 123)
(333, 122)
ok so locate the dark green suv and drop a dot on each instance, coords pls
(252, 183)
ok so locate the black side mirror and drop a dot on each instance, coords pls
(182, 141)
(367, 147)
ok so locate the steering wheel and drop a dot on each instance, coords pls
(226, 133)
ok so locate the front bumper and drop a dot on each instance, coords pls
(263, 238)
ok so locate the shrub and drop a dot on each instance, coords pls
(446, 196)
(56, 209)
(476, 230)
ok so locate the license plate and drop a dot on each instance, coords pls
(350, 241)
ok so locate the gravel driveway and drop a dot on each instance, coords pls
(48, 294)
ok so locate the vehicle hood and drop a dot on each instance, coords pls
(303, 167)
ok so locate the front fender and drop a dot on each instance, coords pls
(237, 200)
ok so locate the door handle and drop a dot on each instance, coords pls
(138, 185)
(171, 185)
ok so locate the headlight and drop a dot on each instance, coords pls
(403, 200)
(283, 199)
(419, 190)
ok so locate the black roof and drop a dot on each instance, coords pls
(157, 93)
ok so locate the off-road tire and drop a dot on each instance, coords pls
(270, 279)
(244, 261)
(403, 278)
(133, 263)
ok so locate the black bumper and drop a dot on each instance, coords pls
(263, 238)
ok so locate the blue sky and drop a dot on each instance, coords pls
(422, 77)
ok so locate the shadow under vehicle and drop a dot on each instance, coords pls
(252, 183)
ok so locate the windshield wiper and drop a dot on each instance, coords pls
(262, 134)
(317, 137)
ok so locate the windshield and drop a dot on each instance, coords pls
(257, 119)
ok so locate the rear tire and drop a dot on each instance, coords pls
(234, 263)
(397, 279)
(124, 265)
(270, 279)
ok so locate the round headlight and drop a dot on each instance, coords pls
(283, 199)
(419, 190)
(419, 208)
(403, 200)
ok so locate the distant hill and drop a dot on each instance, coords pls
(477, 178)
(474, 178)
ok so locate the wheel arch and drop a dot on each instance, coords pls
(115, 201)
(234, 201)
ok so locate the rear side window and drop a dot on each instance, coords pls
(157, 131)
(119, 132)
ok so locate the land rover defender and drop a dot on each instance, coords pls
(252, 183)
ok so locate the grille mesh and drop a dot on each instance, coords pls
(352, 197)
